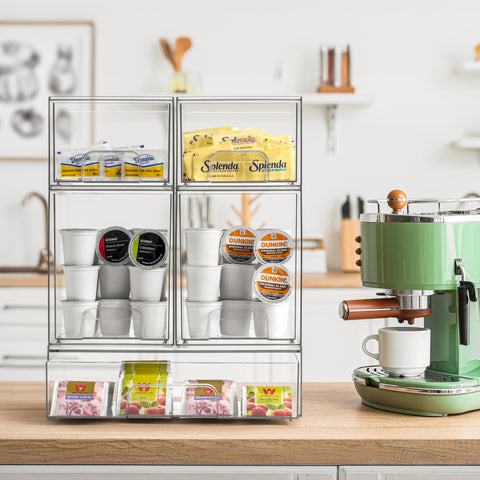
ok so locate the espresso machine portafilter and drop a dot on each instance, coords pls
(426, 265)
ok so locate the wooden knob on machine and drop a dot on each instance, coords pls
(396, 200)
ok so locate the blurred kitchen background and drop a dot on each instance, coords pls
(405, 66)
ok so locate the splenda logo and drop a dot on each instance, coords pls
(261, 166)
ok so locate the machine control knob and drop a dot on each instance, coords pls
(358, 251)
(396, 200)
(358, 239)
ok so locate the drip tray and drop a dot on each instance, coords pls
(429, 383)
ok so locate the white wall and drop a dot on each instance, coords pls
(404, 53)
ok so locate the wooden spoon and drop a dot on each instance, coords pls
(167, 51)
(182, 44)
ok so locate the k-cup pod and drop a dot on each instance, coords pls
(114, 318)
(200, 315)
(112, 246)
(149, 319)
(235, 318)
(203, 283)
(236, 282)
(114, 282)
(272, 283)
(148, 249)
(79, 318)
(273, 246)
(202, 246)
(237, 245)
(146, 285)
(259, 319)
(81, 282)
(277, 316)
(79, 246)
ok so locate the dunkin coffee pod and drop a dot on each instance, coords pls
(273, 246)
(148, 249)
(237, 245)
(112, 246)
(272, 283)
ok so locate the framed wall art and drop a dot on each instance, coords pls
(38, 60)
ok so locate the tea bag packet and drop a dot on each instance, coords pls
(267, 401)
(143, 388)
(210, 398)
(79, 399)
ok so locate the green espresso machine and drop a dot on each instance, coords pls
(427, 266)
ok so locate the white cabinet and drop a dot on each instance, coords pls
(23, 333)
(332, 347)
(409, 473)
(122, 472)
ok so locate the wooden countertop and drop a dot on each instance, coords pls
(19, 280)
(336, 429)
(331, 279)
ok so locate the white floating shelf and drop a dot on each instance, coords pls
(332, 101)
(336, 99)
(467, 143)
(468, 68)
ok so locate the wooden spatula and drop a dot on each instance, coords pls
(167, 51)
(182, 44)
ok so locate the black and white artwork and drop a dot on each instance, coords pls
(38, 60)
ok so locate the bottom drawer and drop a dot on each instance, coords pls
(226, 385)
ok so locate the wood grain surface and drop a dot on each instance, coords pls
(16, 280)
(336, 429)
(331, 279)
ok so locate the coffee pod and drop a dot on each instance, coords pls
(112, 246)
(148, 249)
(273, 246)
(272, 283)
(237, 245)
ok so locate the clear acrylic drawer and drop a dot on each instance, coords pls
(240, 285)
(111, 141)
(205, 385)
(238, 141)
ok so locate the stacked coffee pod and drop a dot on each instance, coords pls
(203, 281)
(81, 279)
(253, 265)
(127, 283)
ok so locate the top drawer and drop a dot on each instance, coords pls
(111, 140)
(239, 141)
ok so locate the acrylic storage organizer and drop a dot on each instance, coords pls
(151, 314)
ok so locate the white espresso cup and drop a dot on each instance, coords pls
(203, 283)
(203, 246)
(402, 351)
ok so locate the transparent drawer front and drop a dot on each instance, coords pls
(165, 385)
(110, 140)
(114, 276)
(239, 141)
(240, 284)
